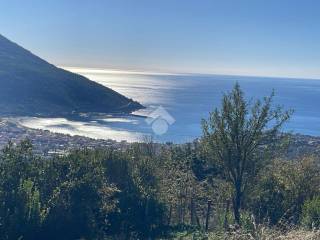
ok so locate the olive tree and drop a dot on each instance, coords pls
(239, 135)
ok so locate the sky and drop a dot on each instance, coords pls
(239, 37)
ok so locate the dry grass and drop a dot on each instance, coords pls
(260, 234)
(303, 235)
(268, 234)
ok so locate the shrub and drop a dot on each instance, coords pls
(311, 213)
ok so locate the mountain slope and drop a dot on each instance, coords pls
(29, 85)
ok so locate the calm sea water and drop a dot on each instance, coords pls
(188, 99)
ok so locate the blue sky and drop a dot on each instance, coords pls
(248, 37)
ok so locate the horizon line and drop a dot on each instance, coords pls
(106, 70)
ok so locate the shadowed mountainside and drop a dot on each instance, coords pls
(31, 86)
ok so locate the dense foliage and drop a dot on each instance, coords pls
(150, 191)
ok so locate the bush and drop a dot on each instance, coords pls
(282, 189)
(247, 221)
(311, 213)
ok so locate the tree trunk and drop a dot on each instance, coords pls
(226, 224)
(237, 203)
(170, 215)
(208, 215)
(180, 210)
(192, 211)
(197, 219)
(146, 217)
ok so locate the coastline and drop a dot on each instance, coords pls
(49, 143)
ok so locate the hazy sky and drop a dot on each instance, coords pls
(257, 37)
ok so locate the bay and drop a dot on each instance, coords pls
(186, 98)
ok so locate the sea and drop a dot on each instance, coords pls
(176, 104)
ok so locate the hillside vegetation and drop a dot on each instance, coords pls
(236, 182)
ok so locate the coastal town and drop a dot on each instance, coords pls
(48, 143)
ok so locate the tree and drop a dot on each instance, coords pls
(239, 135)
(82, 199)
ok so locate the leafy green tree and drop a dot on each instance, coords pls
(134, 173)
(82, 199)
(239, 136)
(20, 207)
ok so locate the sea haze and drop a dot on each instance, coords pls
(188, 99)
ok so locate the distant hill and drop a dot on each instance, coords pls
(31, 86)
